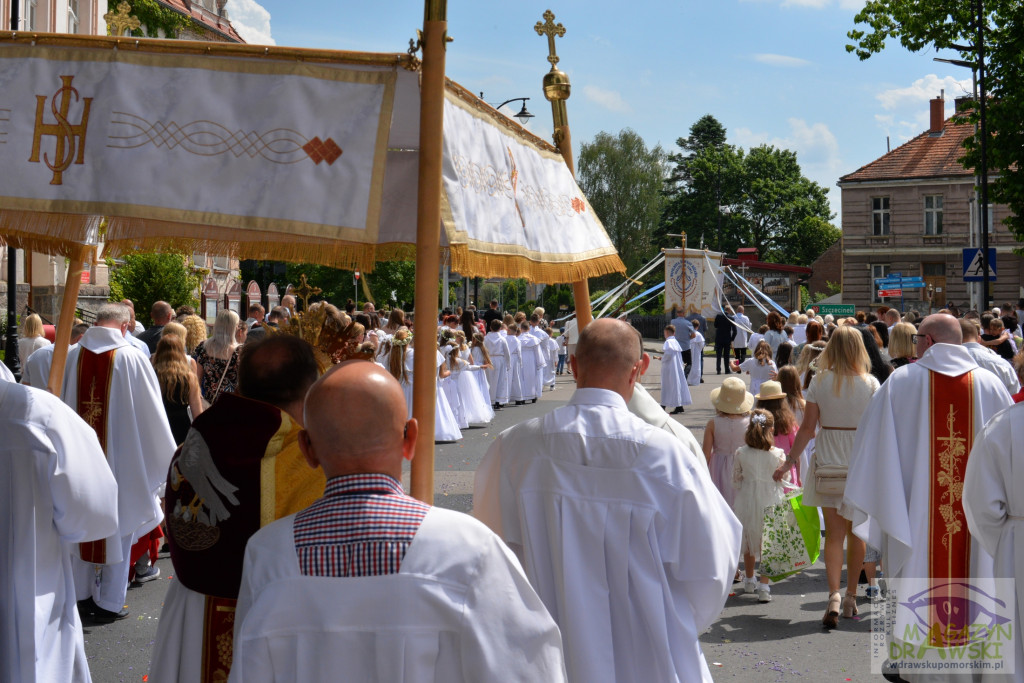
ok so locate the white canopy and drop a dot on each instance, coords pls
(272, 153)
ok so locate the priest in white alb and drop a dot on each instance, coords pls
(368, 584)
(675, 392)
(905, 481)
(621, 532)
(58, 492)
(994, 506)
(113, 387)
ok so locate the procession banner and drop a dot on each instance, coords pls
(510, 207)
(702, 279)
(280, 150)
(272, 153)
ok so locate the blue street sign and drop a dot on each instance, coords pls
(973, 271)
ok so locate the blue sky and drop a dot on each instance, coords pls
(772, 71)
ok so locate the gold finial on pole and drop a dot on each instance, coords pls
(557, 91)
(549, 28)
(118, 21)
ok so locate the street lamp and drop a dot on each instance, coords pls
(523, 115)
(979, 69)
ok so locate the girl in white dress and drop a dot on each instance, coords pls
(479, 355)
(760, 368)
(400, 365)
(697, 352)
(475, 407)
(755, 463)
(515, 368)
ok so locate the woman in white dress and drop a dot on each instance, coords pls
(835, 401)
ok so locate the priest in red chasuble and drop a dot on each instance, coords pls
(113, 387)
(906, 476)
(239, 469)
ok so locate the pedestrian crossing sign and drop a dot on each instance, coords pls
(973, 270)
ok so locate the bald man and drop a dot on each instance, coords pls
(621, 531)
(906, 474)
(376, 584)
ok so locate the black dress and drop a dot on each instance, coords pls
(177, 416)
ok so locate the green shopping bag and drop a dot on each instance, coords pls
(792, 538)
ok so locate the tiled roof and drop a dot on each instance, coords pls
(203, 18)
(926, 156)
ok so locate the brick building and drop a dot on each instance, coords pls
(913, 211)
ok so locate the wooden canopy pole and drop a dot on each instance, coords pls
(428, 244)
(67, 318)
(557, 90)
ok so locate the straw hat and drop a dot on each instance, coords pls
(769, 390)
(732, 397)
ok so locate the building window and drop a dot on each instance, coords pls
(33, 13)
(933, 214)
(879, 215)
(73, 16)
(199, 259)
(221, 263)
(877, 271)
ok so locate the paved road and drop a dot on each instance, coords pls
(782, 640)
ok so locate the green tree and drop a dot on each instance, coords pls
(623, 181)
(391, 282)
(777, 201)
(704, 177)
(726, 198)
(146, 278)
(925, 24)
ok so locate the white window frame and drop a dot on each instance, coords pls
(881, 217)
(878, 270)
(932, 215)
(74, 22)
(32, 14)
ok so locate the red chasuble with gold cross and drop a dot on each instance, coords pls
(951, 435)
(94, 374)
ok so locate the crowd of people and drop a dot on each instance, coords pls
(238, 444)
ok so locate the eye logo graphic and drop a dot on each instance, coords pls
(956, 612)
(70, 137)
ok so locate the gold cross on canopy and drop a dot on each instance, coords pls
(549, 28)
(305, 290)
(118, 21)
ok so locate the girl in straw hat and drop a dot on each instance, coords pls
(724, 432)
(772, 398)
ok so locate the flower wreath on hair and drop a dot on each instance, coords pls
(401, 342)
(759, 419)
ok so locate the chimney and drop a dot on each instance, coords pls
(938, 113)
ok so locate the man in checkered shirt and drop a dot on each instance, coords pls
(370, 584)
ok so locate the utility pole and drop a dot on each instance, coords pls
(11, 358)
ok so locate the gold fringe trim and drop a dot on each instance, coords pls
(48, 233)
(475, 264)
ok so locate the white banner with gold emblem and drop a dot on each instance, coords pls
(506, 197)
(232, 143)
(702, 280)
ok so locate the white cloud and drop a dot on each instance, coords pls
(251, 20)
(907, 109)
(609, 99)
(780, 60)
(816, 147)
(922, 90)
